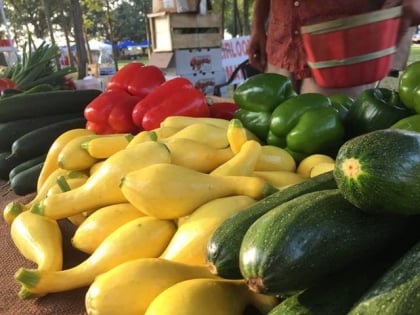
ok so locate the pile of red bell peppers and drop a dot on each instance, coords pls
(138, 97)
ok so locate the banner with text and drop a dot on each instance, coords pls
(233, 53)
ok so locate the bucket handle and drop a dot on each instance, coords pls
(352, 60)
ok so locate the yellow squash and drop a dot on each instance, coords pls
(51, 161)
(95, 167)
(96, 227)
(305, 166)
(106, 145)
(210, 135)
(189, 244)
(38, 239)
(14, 208)
(196, 155)
(321, 168)
(169, 191)
(65, 184)
(280, 179)
(274, 158)
(74, 157)
(242, 163)
(209, 297)
(144, 237)
(102, 188)
(185, 121)
(236, 135)
(129, 288)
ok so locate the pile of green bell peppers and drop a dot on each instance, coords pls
(305, 124)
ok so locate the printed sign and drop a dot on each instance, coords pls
(233, 53)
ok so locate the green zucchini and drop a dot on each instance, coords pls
(25, 182)
(397, 292)
(379, 172)
(334, 294)
(223, 248)
(7, 163)
(38, 141)
(12, 130)
(296, 244)
(25, 165)
(41, 104)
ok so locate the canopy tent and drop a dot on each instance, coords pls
(129, 43)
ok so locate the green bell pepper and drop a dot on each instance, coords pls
(257, 97)
(306, 124)
(342, 104)
(374, 109)
(256, 122)
(409, 86)
(411, 123)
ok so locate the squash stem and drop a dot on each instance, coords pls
(28, 277)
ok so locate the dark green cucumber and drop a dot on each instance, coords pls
(12, 130)
(25, 182)
(296, 244)
(10, 92)
(397, 292)
(38, 141)
(41, 104)
(379, 172)
(7, 163)
(25, 165)
(223, 248)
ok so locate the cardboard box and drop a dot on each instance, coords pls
(206, 81)
(175, 6)
(189, 61)
(198, 60)
(185, 30)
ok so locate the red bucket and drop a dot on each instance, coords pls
(354, 50)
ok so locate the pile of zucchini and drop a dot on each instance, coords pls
(30, 121)
(345, 242)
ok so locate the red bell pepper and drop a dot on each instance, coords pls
(136, 79)
(6, 83)
(224, 110)
(99, 128)
(158, 96)
(187, 102)
(100, 109)
(120, 117)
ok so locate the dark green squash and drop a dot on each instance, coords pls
(296, 244)
(223, 248)
(397, 292)
(379, 172)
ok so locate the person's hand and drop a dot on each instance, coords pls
(256, 51)
(410, 15)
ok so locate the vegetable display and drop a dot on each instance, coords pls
(178, 211)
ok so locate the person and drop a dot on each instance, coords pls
(275, 41)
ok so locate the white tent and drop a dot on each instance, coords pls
(101, 51)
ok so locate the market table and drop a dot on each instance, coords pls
(63, 303)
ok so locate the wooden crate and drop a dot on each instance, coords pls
(185, 30)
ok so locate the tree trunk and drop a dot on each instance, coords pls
(76, 14)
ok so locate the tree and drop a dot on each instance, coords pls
(76, 14)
